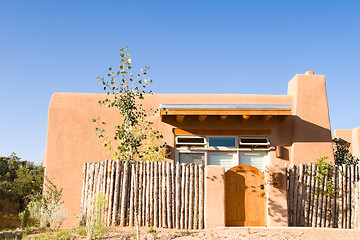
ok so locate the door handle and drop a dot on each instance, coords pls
(261, 186)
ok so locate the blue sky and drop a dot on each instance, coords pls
(252, 47)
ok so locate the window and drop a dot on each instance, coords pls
(255, 159)
(226, 160)
(196, 158)
(190, 141)
(226, 150)
(253, 142)
(222, 141)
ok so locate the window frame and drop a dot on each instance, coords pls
(207, 150)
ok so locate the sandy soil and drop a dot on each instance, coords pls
(223, 233)
(248, 233)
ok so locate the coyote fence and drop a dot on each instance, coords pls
(154, 194)
(323, 200)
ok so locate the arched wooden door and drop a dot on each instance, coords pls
(245, 200)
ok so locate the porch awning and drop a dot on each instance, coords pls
(224, 110)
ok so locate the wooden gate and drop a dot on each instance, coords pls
(245, 201)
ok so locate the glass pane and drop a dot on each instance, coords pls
(224, 160)
(196, 158)
(255, 160)
(222, 142)
(254, 140)
(190, 140)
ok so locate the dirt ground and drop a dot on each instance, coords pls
(216, 233)
(247, 233)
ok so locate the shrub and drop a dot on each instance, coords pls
(45, 210)
(94, 223)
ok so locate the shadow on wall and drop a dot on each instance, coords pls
(277, 211)
(215, 178)
(305, 131)
(292, 129)
(277, 201)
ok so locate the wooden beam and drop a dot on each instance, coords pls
(202, 118)
(179, 111)
(180, 118)
(267, 118)
(246, 117)
(178, 131)
(223, 117)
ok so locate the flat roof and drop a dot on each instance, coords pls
(225, 109)
(224, 106)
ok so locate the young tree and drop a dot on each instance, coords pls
(134, 137)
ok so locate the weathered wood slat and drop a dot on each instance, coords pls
(90, 190)
(321, 201)
(314, 197)
(168, 195)
(111, 193)
(308, 194)
(152, 194)
(187, 183)
(201, 197)
(178, 195)
(116, 192)
(163, 200)
(182, 210)
(290, 196)
(295, 194)
(300, 196)
(135, 174)
(352, 197)
(143, 202)
(132, 195)
(173, 189)
(147, 207)
(156, 194)
(124, 195)
(160, 193)
(83, 195)
(191, 197)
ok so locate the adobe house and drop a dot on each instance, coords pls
(262, 133)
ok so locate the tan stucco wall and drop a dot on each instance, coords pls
(214, 205)
(352, 136)
(311, 122)
(71, 139)
(276, 204)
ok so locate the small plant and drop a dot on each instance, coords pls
(95, 226)
(81, 230)
(63, 234)
(46, 210)
(152, 231)
(323, 168)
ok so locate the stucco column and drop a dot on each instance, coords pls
(214, 196)
(275, 180)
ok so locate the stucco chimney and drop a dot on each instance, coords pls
(309, 73)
